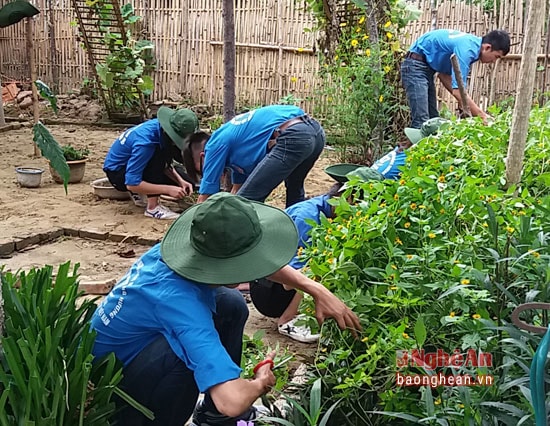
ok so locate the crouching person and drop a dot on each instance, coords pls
(176, 324)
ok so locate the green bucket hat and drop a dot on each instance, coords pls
(179, 124)
(365, 174)
(339, 171)
(15, 11)
(228, 240)
(429, 127)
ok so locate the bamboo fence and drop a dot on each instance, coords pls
(276, 50)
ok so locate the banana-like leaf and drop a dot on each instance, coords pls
(52, 151)
(47, 93)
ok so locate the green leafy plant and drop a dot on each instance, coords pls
(438, 260)
(47, 375)
(72, 154)
(48, 145)
(306, 411)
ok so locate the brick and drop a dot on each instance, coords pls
(24, 241)
(93, 234)
(118, 238)
(147, 241)
(96, 287)
(7, 247)
(51, 235)
(70, 232)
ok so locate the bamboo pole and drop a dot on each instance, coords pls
(461, 88)
(522, 107)
(2, 118)
(229, 52)
(32, 68)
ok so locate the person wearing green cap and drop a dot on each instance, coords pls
(431, 54)
(140, 160)
(177, 327)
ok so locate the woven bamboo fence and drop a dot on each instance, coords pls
(275, 50)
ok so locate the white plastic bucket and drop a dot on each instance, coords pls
(29, 177)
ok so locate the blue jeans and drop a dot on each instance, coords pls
(289, 161)
(161, 381)
(418, 81)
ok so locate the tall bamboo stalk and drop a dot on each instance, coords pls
(34, 77)
(229, 52)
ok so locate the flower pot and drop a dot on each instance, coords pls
(77, 169)
(104, 189)
(29, 177)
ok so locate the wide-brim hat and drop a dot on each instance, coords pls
(15, 11)
(228, 240)
(429, 127)
(339, 171)
(178, 124)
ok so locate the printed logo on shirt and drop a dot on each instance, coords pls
(456, 34)
(126, 281)
(122, 138)
(385, 164)
(242, 118)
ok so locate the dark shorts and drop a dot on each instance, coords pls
(270, 298)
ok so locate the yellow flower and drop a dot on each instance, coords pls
(381, 98)
(442, 211)
(521, 213)
(510, 229)
(534, 253)
(361, 20)
(343, 24)
(407, 224)
(441, 178)
(452, 314)
(365, 339)
(431, 235)
(413, 206)
(365, 37)
(464, 281)
(300, 251)
(398, 241)
(405, 335)
(437, 401)
(394, 267)
(387, 24)
(420, 190)
(485, 225)
(396, 197)
(367, 52)
(336, 57)
(293, 79)
(324, 350)
(402, 182)
(389, 35)
(476, 316)
(358, 30)
(387, 69)
(358, 213)
(393, 287)
(354, 43)
(382, 205)
(421, 206)
(409, 256)
(451, 168)
(326, 237)
(339, 227)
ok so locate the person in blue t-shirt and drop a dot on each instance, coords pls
(431, 54)
(140, 160)
(262, 148)
(177, 327)
(274, 300)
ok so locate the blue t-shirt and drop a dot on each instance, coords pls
(150, 300)
(240, 144)
(302, 212)
(438, 46)
(389, 165)
(133, 149)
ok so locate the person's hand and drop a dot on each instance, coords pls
(175, 191)
(327, 305)
(187, 187)
(263, 372)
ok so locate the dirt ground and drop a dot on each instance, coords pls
(25, 211)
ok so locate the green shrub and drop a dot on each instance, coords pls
(47, 375)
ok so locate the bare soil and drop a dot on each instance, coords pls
(26, 211)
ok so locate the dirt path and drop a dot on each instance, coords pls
(25, 211)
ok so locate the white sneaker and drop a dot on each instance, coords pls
(140, 200)
(301, 333)
(161, 212)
